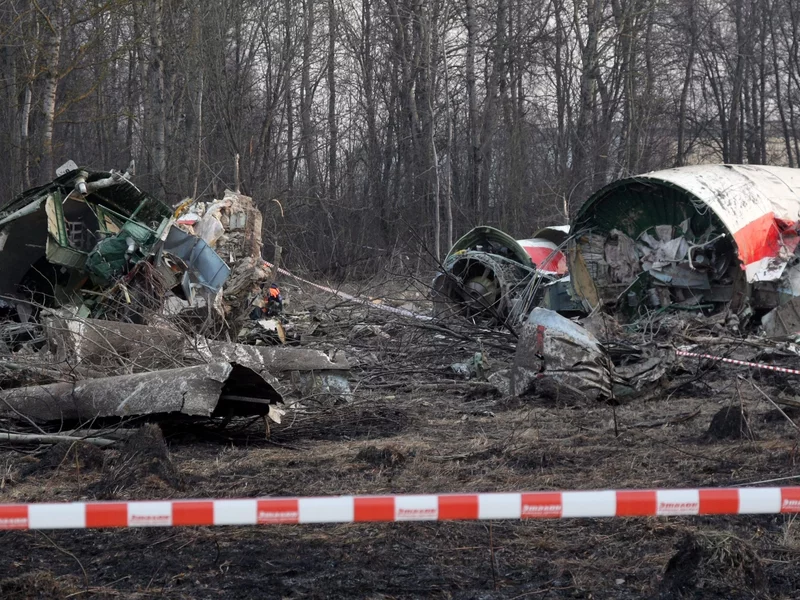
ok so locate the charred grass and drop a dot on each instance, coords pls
(421, 430)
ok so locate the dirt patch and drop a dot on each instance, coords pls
(387, 457)
(353, 421)
(143, 467)
(713, 566)
(41, 585)
(533, 459)
(76, 455)
(780, 416)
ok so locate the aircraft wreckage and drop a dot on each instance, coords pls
(711, 237)
(710, 240)
(707, 238)
(490, 277)
(74, 239)
(113, 304)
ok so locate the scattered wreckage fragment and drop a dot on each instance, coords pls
(232, 227)
(561, 359)
(213, 389)
(556, 352)
(151, 275)
(490, 277)
(91, 244)
(155, 370)
(119, 348)
(710, 237)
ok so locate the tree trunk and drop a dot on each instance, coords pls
(289, 83)
(734, 119)
(680, 156)
(306, 101)
(333, 130)
(52, 54)
(157, 96)
(450, 144)
(583, 135)
(770, 10)
(474, 160)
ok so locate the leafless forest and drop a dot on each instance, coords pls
(370, 127)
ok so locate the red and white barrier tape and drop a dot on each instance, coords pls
(356, 299)
(374, 509)
(742, 363)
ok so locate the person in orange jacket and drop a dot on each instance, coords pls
(269, 303)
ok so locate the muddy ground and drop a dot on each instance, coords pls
(414, 427)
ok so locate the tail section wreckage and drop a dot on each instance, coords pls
(714, 237)
(709, 238)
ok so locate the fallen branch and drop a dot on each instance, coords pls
(771, 401)
(39, 438)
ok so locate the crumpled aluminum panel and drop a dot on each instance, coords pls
(552, 347)
(205, 264)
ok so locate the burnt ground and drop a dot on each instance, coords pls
(414, 427)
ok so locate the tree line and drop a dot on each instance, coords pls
(367, 129)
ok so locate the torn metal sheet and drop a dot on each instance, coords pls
(558, 354)
(203, 391)
(783, 321)
(312, 373)
(718, 237)
(97, 342)
(638, 370)
(557, 234)
(559, 296)
(487, 274)
(546, 256)
(205, 265)
(271, 359)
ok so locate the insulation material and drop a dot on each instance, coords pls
(210, 228)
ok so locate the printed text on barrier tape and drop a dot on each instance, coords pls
(741, 363)
(374, 509)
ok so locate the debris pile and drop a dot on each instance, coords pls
(716, 244)
(97, 243)
(114, 305)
